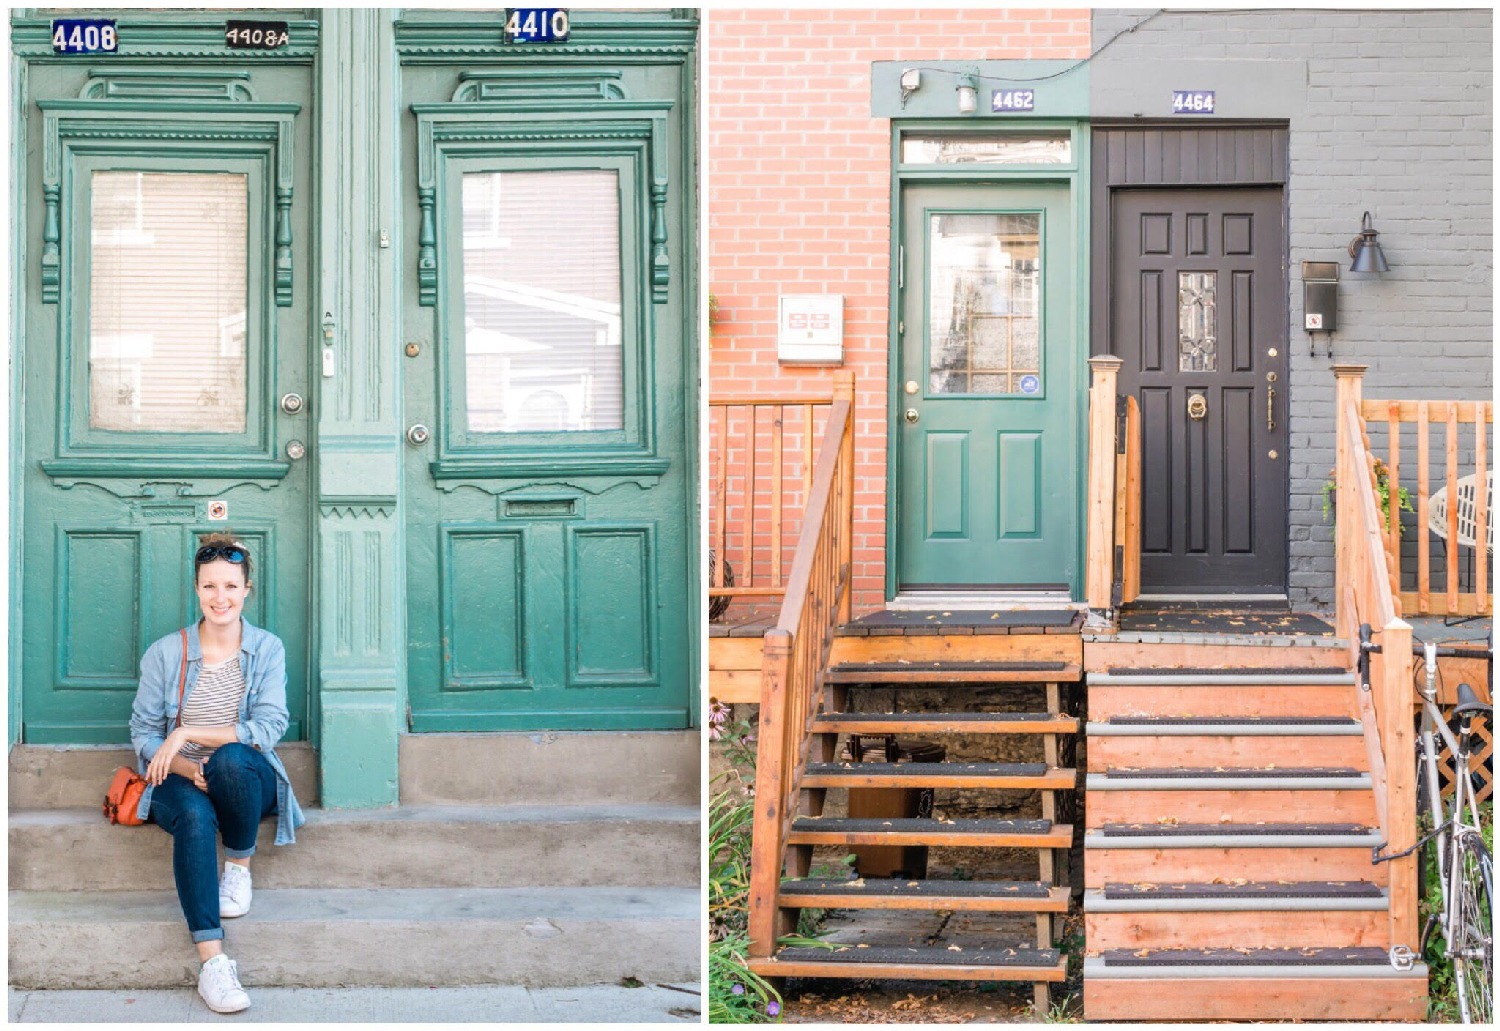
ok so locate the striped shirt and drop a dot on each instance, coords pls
(215, 702)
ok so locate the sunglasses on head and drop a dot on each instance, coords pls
(228, 552)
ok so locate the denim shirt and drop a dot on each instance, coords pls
(263, 713)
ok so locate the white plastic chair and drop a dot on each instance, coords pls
(1437, 512)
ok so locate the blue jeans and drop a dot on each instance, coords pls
(241, 791)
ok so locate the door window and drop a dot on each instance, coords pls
(168, 301)
(983, 304)
(543, 350)
(1197, 322)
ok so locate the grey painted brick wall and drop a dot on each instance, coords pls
(1396, 120)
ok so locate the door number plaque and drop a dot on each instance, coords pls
(536, 25)
(256, 35)
(1193, 102)
(84, 36)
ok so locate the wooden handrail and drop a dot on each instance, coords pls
(1365, 594)
(794, 660)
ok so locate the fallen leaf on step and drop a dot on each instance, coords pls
(1142, 954)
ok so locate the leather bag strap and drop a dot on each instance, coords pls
(182, 677)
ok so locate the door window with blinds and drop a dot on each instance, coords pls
(545, 302)
(168, 315)
(168, 301)
(541, 293)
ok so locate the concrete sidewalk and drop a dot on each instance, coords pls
(502, 1004)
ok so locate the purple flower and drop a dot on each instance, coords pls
(773, 1008)
(738, 989)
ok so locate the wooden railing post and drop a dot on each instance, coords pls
(843, 390)
(1399, 740)
(1348, 463)
(766, 847)
(1099, 566)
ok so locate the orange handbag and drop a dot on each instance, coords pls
(122, 802)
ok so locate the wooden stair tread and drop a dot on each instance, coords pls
(900, 893)
(931, 962)
(1152, 830)
(1249, 889)
(950, 672)
(1232, 772)
(945, 722)
(915, 775)
(820, 830)
(1364, 956)
(1231, 721)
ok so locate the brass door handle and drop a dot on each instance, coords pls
(1197, 407)
(912, 415)
(1271, 408)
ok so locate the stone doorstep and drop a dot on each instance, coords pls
(409, 847)
(549, 767)
(535, 937)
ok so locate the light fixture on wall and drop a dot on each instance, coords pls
(1365, 250)
(911, 81)
(968, 93)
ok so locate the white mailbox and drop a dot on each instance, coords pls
(810, 329)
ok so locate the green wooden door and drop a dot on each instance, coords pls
(166, 316)
(548, 307)
(988, 394)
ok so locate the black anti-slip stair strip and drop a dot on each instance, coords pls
(1218, 671)
(928, 769)
(940, 717)
(931, 955)
(1309, 957)
(1229, 721)
(1152, 830)
(949, 666)
(829, 824)
(1229, 772)
(1250, 889)
(898, 888)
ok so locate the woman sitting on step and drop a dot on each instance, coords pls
(211, 769)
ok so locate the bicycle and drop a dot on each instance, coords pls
(1465, 875)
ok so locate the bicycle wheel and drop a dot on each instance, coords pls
(1472, 933)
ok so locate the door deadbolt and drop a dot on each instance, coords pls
(1197, 407)
(912, 415)
(291, 404)
(912, 386)
(413, 349)
(417, 435)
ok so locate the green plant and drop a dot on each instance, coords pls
(1382, 490)
(736, 995)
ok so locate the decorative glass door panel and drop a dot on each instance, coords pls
(986, 423)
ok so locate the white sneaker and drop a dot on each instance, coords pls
(219, 985)
(234, 891)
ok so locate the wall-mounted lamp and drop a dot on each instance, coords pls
(1365, 250)
(911, 81)
(968, 94)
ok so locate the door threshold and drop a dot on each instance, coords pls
(1229, 599)
(982, 601)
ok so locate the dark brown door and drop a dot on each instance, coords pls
(1197, 310)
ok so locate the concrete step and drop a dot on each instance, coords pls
(76, 776)
(536, 937)
(552, 767)
(418, 846)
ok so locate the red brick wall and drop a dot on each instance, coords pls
(798, 180)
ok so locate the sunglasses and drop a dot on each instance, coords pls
(228, 552)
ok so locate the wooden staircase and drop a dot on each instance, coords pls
(1231, 819)
(947, 661)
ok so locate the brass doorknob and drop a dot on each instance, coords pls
(1197, 406)
(912, 415)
